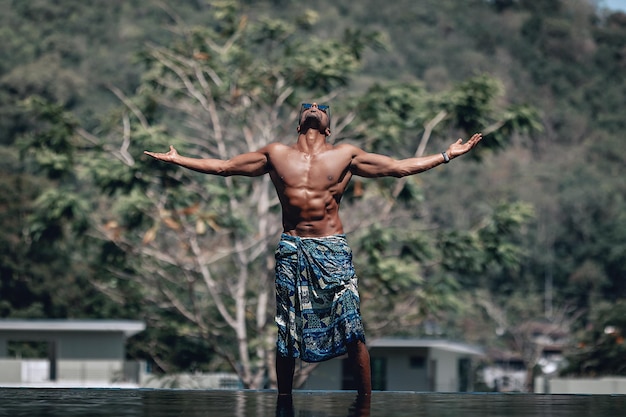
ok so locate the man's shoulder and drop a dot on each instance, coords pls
(277, 146)
(347, 148)
(274, 148)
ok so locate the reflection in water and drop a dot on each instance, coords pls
(18, 402)
(359, 408)
(284, 406)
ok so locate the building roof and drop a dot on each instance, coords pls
(456, 347)
(128, 327)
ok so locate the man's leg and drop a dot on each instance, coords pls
(359, 357)
(285, 368)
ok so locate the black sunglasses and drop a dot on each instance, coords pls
(322, 107)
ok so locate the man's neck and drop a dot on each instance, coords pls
(311, 142)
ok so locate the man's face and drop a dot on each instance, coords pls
(314, 116)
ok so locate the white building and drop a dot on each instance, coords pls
(400, 364)
(78, 353)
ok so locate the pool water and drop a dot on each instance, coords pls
(34, 402)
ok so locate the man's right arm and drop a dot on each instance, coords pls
(249, 164)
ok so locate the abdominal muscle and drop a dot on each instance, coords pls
(309, 213)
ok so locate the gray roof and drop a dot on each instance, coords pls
(128, 327)
(408, 343)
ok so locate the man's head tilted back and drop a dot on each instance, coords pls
(314, 116)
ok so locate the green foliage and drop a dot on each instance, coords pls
(53, 209)
(601, 348)
(395, 114)
(494, 247)
(521, 119)
(397, 287)
(131, 209)
(394, 266)
(499, 236)
(407, 275)
(461, 252)
(112, 176)
(472, 100)
(49, 140)
(322, 65)
(392, 112)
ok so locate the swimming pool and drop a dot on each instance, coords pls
(34, 402)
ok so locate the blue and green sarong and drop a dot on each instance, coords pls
(317, 299)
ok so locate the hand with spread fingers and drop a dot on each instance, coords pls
(459, 148)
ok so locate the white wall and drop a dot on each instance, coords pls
(35, 372)
(400, 375)
(605, 385)
(89, 371)
(11, 371)
(447, 378)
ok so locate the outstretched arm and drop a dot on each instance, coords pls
(250, 164)
(374, 165)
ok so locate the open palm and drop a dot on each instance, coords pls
(458, 148)
(166, 157)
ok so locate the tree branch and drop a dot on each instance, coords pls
(421, 148)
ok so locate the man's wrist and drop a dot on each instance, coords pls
(446, 157)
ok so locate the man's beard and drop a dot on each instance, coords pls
(312, 120)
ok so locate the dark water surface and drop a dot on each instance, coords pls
(33, 402)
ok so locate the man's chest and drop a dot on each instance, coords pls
(311, 171)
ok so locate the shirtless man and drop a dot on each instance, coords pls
(310, 178)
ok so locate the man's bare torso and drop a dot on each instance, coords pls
(310, 187)
(311, 176)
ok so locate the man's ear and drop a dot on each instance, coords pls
(298, 128)
(327, 131)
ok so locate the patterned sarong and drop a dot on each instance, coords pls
(317, 299)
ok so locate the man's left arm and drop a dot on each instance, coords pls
(372, 165)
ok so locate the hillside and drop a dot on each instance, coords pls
(564, 59)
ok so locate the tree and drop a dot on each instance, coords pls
(44, 219)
